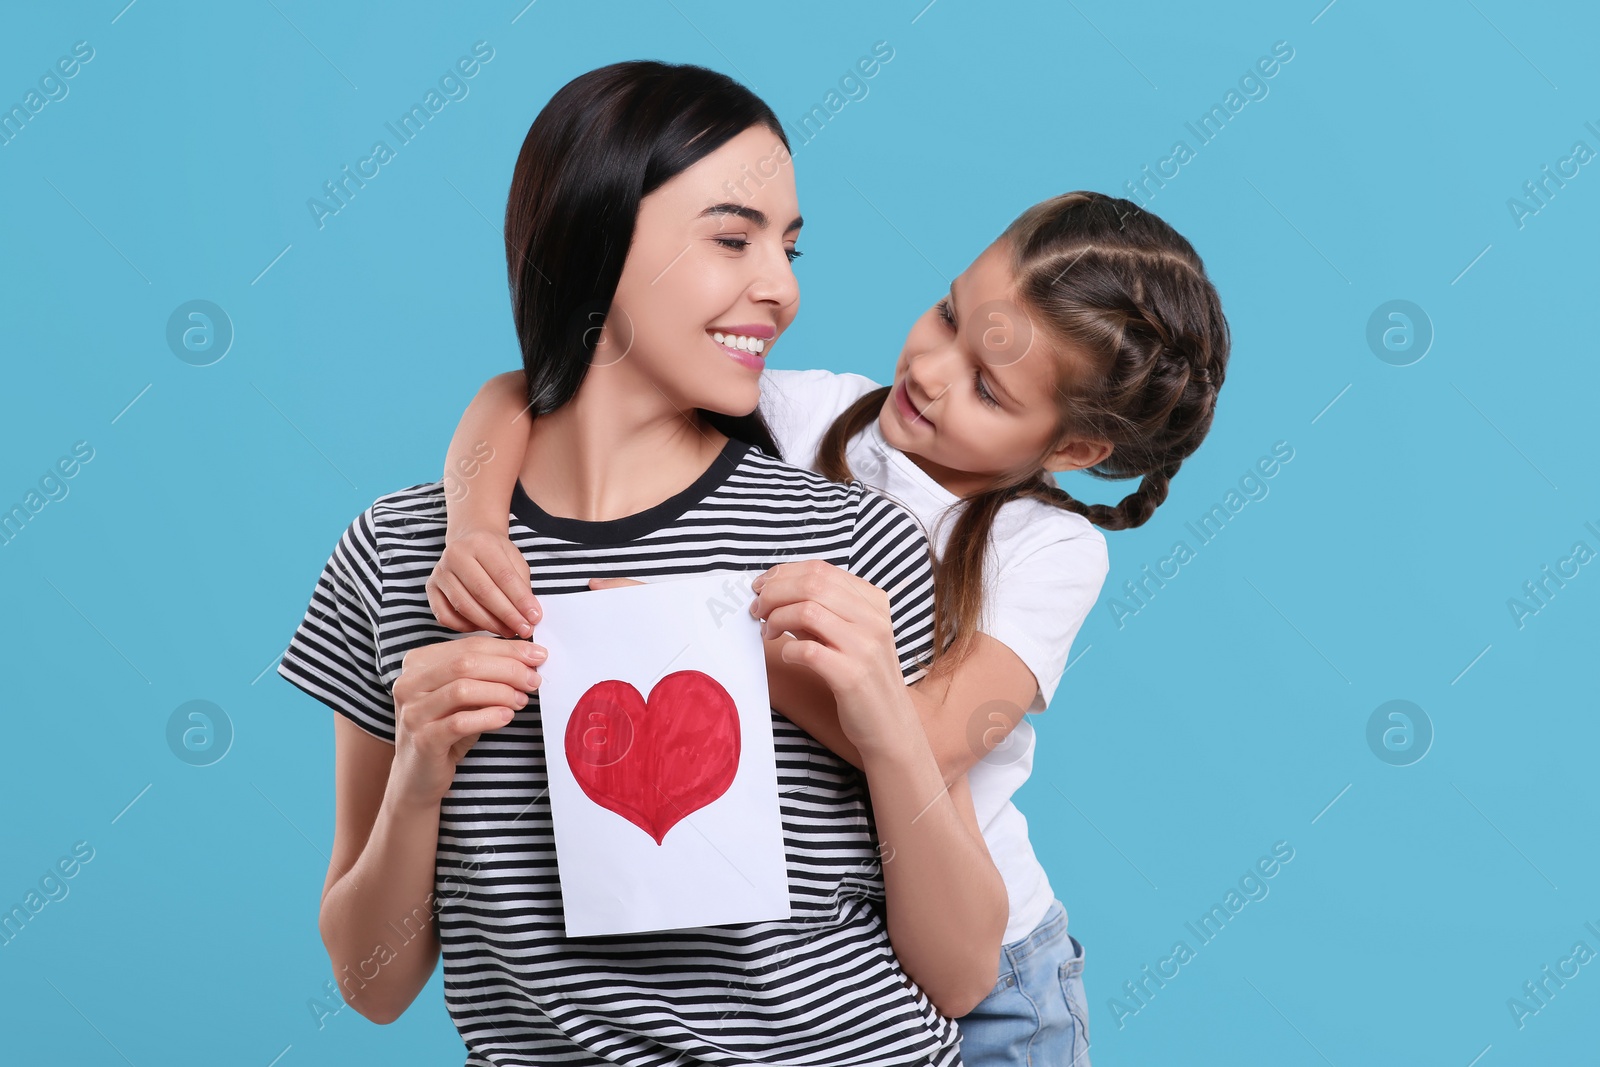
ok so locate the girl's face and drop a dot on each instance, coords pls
(973, 399)
(710, 258)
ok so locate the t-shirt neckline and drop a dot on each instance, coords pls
(628, 527)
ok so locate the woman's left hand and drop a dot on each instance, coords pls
(844, 632)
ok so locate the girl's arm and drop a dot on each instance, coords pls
(481, 581)
(966, 708)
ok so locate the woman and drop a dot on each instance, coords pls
(633, 206)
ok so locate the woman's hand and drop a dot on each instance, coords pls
(446, 696)
(481, 582)
(845, 634)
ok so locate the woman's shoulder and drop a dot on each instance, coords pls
(814, 498)
(381, 545)
(777, 474)
(415, 511)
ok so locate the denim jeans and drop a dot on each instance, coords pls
(1036, 1016)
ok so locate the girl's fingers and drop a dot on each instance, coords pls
(444, 612)
(486, 589)
(515, 582)
(437, 586)
(467, 606)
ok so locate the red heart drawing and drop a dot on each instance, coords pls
(656, 762)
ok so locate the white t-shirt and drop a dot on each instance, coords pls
(1042, 576)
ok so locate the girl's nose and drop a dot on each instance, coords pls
(930, 375)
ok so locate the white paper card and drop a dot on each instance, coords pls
(664, 786)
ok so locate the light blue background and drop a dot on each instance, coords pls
(1222, 718)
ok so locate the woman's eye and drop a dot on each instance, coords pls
(739, 244)
(983, 391)
(943, 307)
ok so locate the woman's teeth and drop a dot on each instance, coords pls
(739, 341)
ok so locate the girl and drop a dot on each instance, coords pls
(443, 835)
(1086, 337)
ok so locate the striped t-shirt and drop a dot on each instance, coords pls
(822, 987)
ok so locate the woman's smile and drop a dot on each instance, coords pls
(747, 344)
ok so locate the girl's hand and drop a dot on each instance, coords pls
(843, 632)
(447, 694)
(481, 582)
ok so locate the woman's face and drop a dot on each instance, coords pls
(710, 257)
(974, 399)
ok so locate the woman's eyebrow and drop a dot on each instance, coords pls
(748, 213)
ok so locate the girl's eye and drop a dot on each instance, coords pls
(983, 391)
(793, 254)
(949, 319)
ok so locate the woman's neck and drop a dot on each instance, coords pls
(611, 452)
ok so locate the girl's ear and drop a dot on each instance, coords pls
(1076, 453)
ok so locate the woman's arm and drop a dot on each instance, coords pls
(382, 869)
(966, 707)
(481, 580)
(946, 902)
(378, 907)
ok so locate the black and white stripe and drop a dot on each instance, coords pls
(822, 987)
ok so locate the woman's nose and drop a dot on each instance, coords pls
(776, 283)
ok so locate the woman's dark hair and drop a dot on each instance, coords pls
(1129, 299)
(604, 142)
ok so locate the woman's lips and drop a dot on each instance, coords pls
(753, 360)
(908, 410)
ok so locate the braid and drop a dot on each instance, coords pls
(1133, 511)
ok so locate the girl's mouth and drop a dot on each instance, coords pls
(908, 410)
